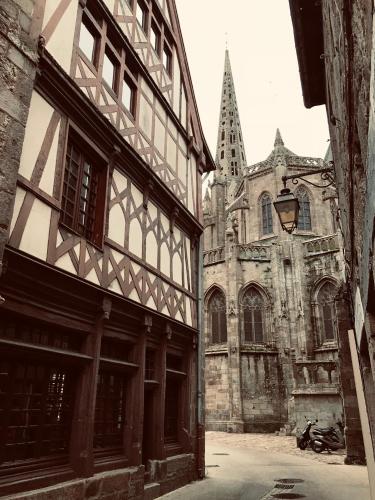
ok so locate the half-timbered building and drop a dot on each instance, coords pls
(100, 323)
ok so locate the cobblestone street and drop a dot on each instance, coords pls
(273, 444)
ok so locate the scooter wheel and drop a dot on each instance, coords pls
(302, 445)
(317, 446)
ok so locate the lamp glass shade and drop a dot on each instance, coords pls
(287, 208)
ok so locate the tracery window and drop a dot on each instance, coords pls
(253, 314)
(327, 312)
(304, 216)
(266, 203)
(217, 318)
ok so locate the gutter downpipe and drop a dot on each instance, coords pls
(200, 369)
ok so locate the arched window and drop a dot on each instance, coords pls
(222, 155)
(304, 217)
(266, 214)
(217, 317)
(253, 314)
(327, 312)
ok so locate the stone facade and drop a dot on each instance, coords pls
(270, 311)
(18, 57)
(126, 484)
(336, 60)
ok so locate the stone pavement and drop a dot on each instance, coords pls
(273, 444)
(265, 467)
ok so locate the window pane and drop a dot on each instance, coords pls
(328, 322)
(87, 43)
(223, 326)
(215, 326)
(108, 71)
(248, 326)
(258, 325)
(140, 15)
(167, 60)
(172, 391)
(155, 39)
(127, 96)
(109, 410)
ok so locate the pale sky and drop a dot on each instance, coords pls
(265, 72)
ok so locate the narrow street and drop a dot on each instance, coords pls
(236, 471)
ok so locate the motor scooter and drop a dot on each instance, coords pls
(304, 439)
(327, 438)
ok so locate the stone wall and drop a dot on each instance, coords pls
(261, 392)
(125, 484)
(18, 55)
(327, 408)
(217, 392)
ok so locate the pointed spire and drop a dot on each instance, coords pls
(230, 152)
(278, 139)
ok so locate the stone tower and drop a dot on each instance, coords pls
(230, 151)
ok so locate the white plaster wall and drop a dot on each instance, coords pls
(145, 116)
(40, 114)
(60, 45)
(35, 236)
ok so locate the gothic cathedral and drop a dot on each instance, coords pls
(270, 297)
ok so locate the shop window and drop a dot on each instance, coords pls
(150, 365)
(109, 411)
(172, 402)
(36, 406)
(82, 205)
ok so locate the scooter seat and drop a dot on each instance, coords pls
(324, 430)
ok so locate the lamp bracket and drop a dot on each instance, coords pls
(327, 174)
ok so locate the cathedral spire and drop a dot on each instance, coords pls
(230, 152)
(278, 139)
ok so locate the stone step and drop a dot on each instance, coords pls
(151, 491)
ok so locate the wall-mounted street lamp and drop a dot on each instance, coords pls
(287, 205)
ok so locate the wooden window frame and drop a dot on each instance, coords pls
(110, 54)
(129, 79)
(168, 63)
(101, 167)
(91, 25)
(139, 4)
(155, 29)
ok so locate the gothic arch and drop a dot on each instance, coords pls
(265, 214)
(254, 314)
(215, 315)
(323, 306)
(306, 219)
